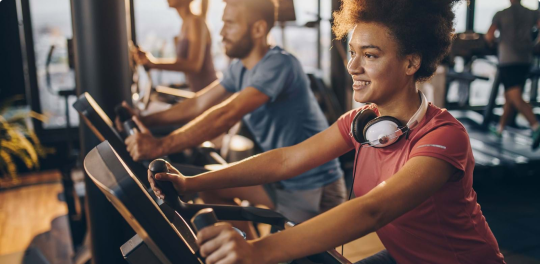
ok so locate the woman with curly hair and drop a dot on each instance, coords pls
(414, 163)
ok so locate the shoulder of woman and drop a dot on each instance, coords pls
(196, 27)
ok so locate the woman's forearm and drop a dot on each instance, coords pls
(338, 226)
(276, 165)
(260, 169)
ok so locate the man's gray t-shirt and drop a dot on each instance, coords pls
(515, 26)
(292, 114)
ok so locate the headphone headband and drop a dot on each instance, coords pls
(420, 113)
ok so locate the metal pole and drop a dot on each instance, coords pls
(101, 33)
(488, 111)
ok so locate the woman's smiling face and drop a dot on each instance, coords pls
(377, 69)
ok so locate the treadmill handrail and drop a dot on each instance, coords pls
(466, 76)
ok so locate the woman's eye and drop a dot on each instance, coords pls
(352, 53)
(369, 56)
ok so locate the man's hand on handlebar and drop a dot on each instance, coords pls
(143, 145)
(118, 123)
(178, 180)
(222, 244)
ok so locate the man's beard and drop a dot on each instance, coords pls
(241, 48)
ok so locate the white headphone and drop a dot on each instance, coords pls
(383, 131)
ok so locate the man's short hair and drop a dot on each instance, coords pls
(266, 10)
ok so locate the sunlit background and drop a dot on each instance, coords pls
(157, 25)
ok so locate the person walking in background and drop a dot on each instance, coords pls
(515, 55)
(193, 48)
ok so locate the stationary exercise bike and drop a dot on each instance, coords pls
(164, 232)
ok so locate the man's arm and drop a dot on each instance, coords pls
(214, 121)
(419, 179)
(210, 124)
(490, 35)
(189, 109)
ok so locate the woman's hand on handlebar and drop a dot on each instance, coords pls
(178, 180)
(222, 244)
(144, 58)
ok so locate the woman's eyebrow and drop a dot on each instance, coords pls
(370, 47)
(367, 47)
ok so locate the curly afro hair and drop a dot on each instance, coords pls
(423, 27)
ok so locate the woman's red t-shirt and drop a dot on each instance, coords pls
(449, 226)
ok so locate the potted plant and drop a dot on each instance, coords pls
(18, 140)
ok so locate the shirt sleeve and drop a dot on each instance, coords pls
(344, 125)
(273, 75)
(230, 77)
(449, 143)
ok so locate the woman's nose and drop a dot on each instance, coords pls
(355, 67)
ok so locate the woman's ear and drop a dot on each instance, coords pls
(259, 29)
(413, 63)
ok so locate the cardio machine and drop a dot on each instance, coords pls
(470, 46)
(494, 157)
(103, 127)
(164, 233)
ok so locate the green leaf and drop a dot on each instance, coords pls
(11, 169)
(18, 140)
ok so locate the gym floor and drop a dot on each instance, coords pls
(512, 209)
(33, 217)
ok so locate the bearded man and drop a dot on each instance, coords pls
(267, 88)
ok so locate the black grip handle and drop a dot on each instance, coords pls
(171, 195)
(204, 218)
(126, 119)
(122, 113)
(130, 127)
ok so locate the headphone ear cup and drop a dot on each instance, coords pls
(360, 121)
(377, 120)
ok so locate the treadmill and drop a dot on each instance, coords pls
(494, 157)
(164, 234)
